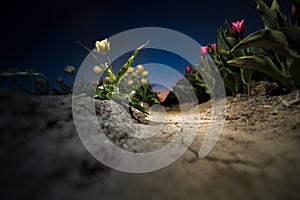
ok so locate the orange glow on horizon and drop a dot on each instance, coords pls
(163, 95)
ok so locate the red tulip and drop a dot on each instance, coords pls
(188, 69)
(238, 27)
(204, 49)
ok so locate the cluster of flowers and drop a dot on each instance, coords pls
(132, 75)
(137, 74)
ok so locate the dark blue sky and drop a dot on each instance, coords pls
(41, 34)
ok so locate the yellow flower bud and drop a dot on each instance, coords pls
(130, 69)
(70, 69)
(145, 73)
(134, 74)
(103, 47)
(126, 74)
(144, 81)
(140, 68)
(97, 70)
(130, 82)
(107, 80)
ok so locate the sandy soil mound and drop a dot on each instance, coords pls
(256, 157)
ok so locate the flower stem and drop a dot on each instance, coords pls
(110, 65)
(249, 89)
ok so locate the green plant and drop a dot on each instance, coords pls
(37, 82)
(282, 62)
(136, 80)
(239, 60)
(235, 80)
(199, 86)
(113, 87)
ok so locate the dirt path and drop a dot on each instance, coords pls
(256, 157)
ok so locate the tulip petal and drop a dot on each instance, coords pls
(204, 50)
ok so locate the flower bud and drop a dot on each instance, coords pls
(130, 82)
(238, 28)
(214, 45)
(59, 80)
(107, 80)
(144, 81)
(188, 69)
(103, 47)
(204, 49)
(140, 68)
(145, 73)
(130, 69)
(134, 74)
(97, 70)
(69, 69)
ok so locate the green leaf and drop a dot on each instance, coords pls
(221, 42)
(125, 67)
(155, 100)
(292, 35)
(275, 5)
(230, 41)
(246, 75)
(90, 51)
(267, 15)
(226, 70)
(295, 71)
(280, 18)
(139, 107)
(263, 64)
(274, 39)
(228, 28)
(225, 55)
(231, 83)
(15, 73)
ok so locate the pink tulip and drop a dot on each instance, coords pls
(188, 69)
(204, 49)
(214, 45)
(238, 27)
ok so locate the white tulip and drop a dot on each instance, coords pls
(103, 47)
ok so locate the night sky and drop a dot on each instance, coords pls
(41, 34)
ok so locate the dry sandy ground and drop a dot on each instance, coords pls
(256, 157)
